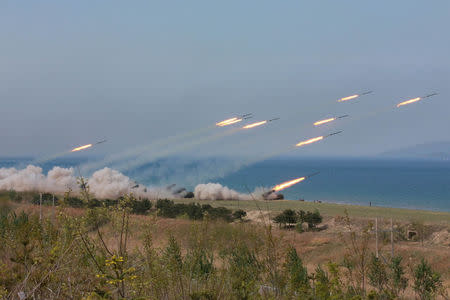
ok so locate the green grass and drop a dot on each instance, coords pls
(332, 209)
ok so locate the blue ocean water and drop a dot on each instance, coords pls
(419, 184)
(393, 183)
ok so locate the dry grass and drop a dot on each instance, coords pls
(315, 248)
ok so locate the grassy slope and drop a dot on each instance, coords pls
(332, 209)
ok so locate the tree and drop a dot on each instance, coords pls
(297, 272)
(286, 217)
(398, 282)
(377, 274)
(313, 218)
(244, 270)
(426, 282)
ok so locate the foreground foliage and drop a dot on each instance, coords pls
(93, 257)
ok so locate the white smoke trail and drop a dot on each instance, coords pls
(148, 157)
(115, 159)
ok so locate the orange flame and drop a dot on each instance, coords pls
(81, 148)
(255, 124)
(348, 98)
(287, 184)
(225, 122)
(409, 101)
(310, 141)
(324, 121)
(228, 122)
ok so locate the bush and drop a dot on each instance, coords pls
(312, 218)
(286, 217)
(47, 199)
(140, 207)
(426, 282)
(166, 208)
(94, 203)
(96, 217)
(220, 213)
(194, 211)
(14, 196)
(297, 273)
(74, 202)
(239, 214)
(299, 228)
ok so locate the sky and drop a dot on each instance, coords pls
(134, 72)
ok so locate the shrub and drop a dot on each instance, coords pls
(286, 217)
(94, 203)
(14, 196)
(166, 208)
(313, 218)
(47, 199)
(398, 281)
(244, 270)
(377, 274)
(74, 202)
(220, 213)
(426, 281)
(239, 214)
(96, 217)
(297, 272)
(140, 207)
(299, 228)
(194, 211)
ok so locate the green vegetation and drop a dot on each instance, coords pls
(290, 217)
(332, 209)
(109, 252)
(194, 211)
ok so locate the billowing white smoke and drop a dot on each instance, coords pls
(105, 183)
(28, 179)
(108, 183)
(60, 180)
(216, 191)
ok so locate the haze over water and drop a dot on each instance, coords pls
(418, 184)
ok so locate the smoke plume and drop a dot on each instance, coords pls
(104, 183)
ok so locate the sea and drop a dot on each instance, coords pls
(414, 184)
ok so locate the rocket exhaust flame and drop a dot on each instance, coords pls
(416, 99)
(310, 141)
(348, 98)
(328, 120)
(81, 148)
(287, 184)
(226, 122)
(324, 121)
(409, 101)
(316, 139)
(87, 146)
(255, 124)
(234, 120)
(354, 96)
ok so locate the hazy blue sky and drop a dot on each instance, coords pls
(73, 72)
